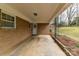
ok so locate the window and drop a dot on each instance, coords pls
(7, 20)
(67, 28)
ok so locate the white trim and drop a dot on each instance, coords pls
(8, 20)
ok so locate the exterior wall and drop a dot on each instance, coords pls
(11, 37)
(43, 28)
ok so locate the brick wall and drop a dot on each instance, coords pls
(11, 37)
(43, 28)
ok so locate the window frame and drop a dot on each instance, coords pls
(8, 13)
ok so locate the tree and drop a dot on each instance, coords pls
(70, 13)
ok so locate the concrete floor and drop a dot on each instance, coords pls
(42, 45)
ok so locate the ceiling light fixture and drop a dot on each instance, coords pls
(35, 14)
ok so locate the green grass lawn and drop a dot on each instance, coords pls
(70, 31)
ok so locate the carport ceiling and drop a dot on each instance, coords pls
(38, 12)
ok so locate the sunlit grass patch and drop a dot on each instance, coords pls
(71, 31)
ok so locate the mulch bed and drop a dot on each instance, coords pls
(71, 44)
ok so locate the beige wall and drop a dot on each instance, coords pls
(43, 28)
(11, 37)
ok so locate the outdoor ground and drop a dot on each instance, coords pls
(72, 32)
(69, 36)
